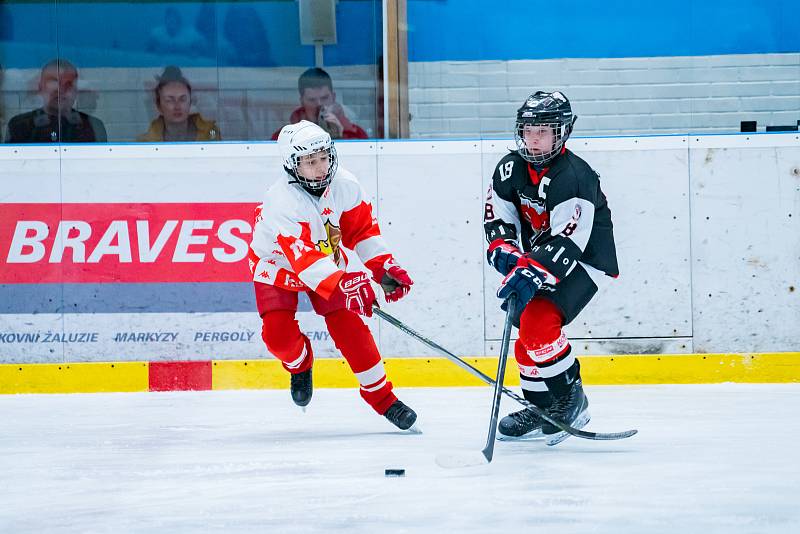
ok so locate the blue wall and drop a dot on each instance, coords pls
(113, 33)
(468, 30)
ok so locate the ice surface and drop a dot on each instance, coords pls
(712, 458)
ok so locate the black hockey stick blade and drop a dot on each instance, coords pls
(584, 434)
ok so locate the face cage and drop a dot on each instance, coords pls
(317, 185)
(560, 137)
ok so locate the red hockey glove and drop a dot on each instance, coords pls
(394, 280)
(358, 293)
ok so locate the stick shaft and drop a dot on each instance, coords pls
(488, 450)
(478, 374)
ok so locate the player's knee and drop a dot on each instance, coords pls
(540, 324)
(280, 332)
(344, 320)
(524, 361)
(520, 352)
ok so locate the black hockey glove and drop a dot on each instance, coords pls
(524, 282)
(503, 256)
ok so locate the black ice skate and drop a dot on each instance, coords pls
(302, 388)
(571, 408)
(524, 424)
(401, 415)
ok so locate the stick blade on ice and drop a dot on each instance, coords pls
(460, 459)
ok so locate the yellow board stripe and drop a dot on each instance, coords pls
(781, 367)
(269, 374)
(776, 367)
(74, 377)
(596, 370)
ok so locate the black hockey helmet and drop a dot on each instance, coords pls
(544, 109)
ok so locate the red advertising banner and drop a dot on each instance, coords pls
(151, 242)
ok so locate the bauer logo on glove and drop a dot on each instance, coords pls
(358, 293)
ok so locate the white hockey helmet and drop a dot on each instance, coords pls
(303, 139)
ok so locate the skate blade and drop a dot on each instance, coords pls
(533, 435)
(460, 459)
(583, 418)
(413, 429)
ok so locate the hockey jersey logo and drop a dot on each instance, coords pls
(312, 234)
(330, 246)
(535, 212)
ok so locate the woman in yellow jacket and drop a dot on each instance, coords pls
(175, 122)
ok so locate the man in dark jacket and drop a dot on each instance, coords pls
(56, 121)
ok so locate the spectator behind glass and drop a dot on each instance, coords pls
(56, 120)
(173, 37)
(244, 40)
(6, 23)
(318, 105)
(175, 123)
(205, 24)
(2, 111)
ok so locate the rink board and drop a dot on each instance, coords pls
(707, 233)
(403, 372)
(187, 300)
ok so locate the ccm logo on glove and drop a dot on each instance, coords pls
(524, 281)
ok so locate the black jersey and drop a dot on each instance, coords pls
(559, 216)
(38, 126)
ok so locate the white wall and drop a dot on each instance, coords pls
(707, 228)
(649, 95)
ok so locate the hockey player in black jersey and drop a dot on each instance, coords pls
(550, 235)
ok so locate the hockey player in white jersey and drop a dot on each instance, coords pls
(297, 246)
(549, 233)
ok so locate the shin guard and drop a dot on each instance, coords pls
(355, 341)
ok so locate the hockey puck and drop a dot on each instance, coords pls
(395, 472)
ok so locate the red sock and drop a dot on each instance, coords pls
(283, 338)
(355, 341)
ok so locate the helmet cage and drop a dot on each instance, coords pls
(561, 131)
(310, 184)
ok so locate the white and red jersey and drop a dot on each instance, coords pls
(297, 236)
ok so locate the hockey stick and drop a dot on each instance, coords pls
(488, 450)
(478, 374)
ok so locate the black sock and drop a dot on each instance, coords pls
(561, 384)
